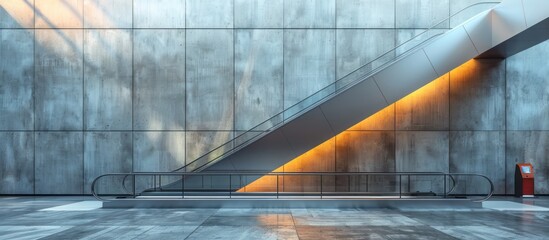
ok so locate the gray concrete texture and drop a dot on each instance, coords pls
(17, 164)
(59, 163)
(17, 77)
(210, 80)
(106, 152)
(88, 88)
(58, 79)
(422, 151)
(362, 47)
(258, 13)
(365, 14)
(107, 80)
(159, 79)
(158, 14)
(477, 90)
(259, 75)
(309, 61)
(480, 152)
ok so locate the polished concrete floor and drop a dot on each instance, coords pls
(81, 218)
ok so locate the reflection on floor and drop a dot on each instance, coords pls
(80, 218)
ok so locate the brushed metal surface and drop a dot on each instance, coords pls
(507, 20)
(479, 30)
(535, 11)
(450, 50)
(395, 81)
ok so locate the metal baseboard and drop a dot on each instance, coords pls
(295, 203)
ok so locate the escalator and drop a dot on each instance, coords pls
(500, 31)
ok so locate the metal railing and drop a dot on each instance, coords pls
(360, 74)
(192, 185)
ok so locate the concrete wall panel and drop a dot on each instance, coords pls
(477, 96)
(309, 14)
(16, 14)
(365, 14)
(108, 13)
(481, 152)
(159, 14)
(356, 48)
(200, 143)
(210, 80)
(158, 151)
(59, 13)
(258, 14)
(425, 109)
(309, 63)
(107, 80)
(209, 14)
(421, 13)
(16, 85)
(106, 152)
(259, 77)
(528, 89)
(16, 163)
(528, 147)
(59, 83)
(159, 73)
(423, 151)
(371, 151)
(59, 167)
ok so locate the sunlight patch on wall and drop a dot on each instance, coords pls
(20, 11)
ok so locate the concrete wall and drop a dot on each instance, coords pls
(90, 87)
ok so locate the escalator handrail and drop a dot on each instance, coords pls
(262, 173)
